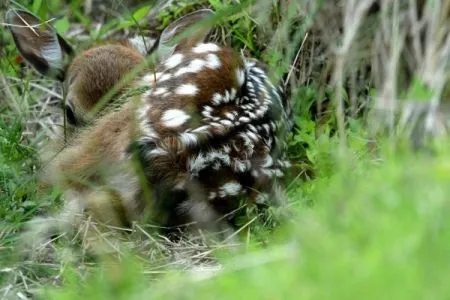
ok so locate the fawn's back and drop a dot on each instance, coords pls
(214, 123)
(210, 130)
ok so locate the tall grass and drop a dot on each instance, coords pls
(366, 219)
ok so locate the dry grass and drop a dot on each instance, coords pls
(157, 254)
(388, 46)
(352, 46)
(38, 102)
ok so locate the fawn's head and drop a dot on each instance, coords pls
(87, 76)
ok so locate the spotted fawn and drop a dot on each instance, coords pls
(208, 129)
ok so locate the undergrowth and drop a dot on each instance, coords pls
(367, 217)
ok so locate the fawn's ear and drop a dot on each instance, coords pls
(39, 43)
(168, 43)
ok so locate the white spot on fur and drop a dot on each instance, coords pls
(202, 160)
(155, 76)
(278, 173)
(213, 61)
(240, 75)
(252, 128)
(251, 115)
(194, 66)
(206, 114)
(226, 97)
(188, 139)
(249, 63)
(165, 77)
(226, 123)
(230, 116)
(149, 79)
(244, 119)
(232, 93)
(174, 60)
(207, 47)
(267, 172)
(217, 99)
(260, 112)
(158, 152)
(252, 136)
(268, 161)
(201, 129)
(231, 188)
(197, 163)
(275, 172)
(187, 89)
(259, 71)
(174, 118)
(148, 131)
(160, 91)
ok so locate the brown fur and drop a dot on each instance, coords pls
(96, 168)
(93, 148)
(95, 71)
(207, 81)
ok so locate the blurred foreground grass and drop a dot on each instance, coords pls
(365, 225)
(373, 232)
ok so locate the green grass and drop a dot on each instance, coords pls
(373, 232)
(364, 221)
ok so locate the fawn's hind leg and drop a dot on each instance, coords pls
(103, 205)
(40, 230)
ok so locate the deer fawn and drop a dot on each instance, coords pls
(209, 130)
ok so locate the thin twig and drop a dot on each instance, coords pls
(295, 60)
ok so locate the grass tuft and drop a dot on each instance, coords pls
(366, 215)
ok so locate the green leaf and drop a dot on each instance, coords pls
(311, 155)
(36, 6)
(217, 5)
(62, 25)
(141, 13)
